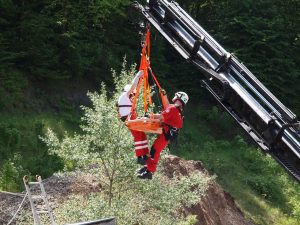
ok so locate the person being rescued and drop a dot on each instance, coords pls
(172, 121)
(124, 107)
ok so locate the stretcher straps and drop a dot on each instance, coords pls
(149, 94)
(145, 66)
(145, 91)
(148, 42)
(159, 87)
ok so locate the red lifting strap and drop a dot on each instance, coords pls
(145, 66)
(144, 124)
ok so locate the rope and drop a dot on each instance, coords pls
(16, 213)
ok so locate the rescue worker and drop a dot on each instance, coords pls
(124, 107)
(172, 120)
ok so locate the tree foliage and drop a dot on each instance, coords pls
(60, 39)
(11, 174)
(64, 39)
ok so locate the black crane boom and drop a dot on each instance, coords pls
(269, 123)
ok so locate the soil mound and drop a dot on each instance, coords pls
(216, 207)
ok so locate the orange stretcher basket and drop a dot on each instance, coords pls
(145, 124)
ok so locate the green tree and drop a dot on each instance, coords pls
(105, 140)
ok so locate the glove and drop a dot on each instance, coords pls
(140, 73)
(137, 77)
(162, 91)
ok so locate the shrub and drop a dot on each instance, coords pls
(11, 173)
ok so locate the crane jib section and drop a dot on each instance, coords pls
(262, 116)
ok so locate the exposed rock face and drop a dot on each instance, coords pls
(215, 208)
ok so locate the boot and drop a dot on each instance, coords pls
(141, 170)
(145, 175)
(142, 160)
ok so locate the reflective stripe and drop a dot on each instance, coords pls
(141, 147)
(124, 106)
(140, 142)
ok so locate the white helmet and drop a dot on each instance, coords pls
(182, 96)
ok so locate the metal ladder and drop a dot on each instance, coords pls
(43, 196)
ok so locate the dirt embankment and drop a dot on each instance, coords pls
(216, 207)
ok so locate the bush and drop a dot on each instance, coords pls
(11, 174)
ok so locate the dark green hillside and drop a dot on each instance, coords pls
(59, 41)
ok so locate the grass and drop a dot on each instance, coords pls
(261, 188)
(21, 150)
